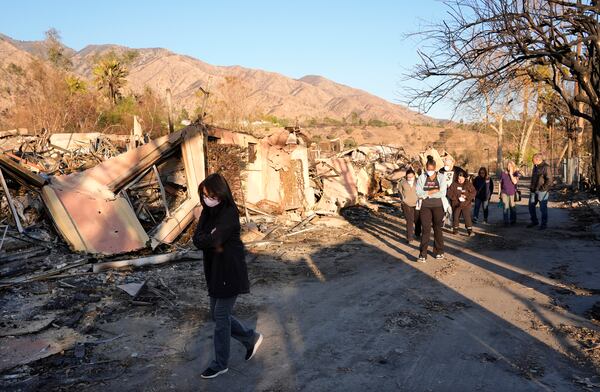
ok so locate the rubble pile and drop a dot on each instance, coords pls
(583, 206)
(119, 201)
(358, 175)
(109, 195)
(28, 161)
(588, 339)
(230, 161)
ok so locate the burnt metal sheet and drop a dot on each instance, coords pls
(339, 184)
(15, 351)
(93, 218)
(93, 223)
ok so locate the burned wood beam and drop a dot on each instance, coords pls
(44, 275)
(20, 173)
(13, 210)
(163, 195)
(14, 132)
(3, 236)
(150, 260)
(256, 210)
(136, 180)
(27, 254)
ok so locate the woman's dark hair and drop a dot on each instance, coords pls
(430, 161)
(484, 171)
(462, 173)
(409, 171)
(216, 186)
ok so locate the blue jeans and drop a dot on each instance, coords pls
(534, 199)
(510, 208)
(478, 204)
(227, 327)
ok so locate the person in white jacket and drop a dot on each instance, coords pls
(431, 191)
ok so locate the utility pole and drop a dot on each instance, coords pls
(170, 111)
(206, 94)
(551, 129)
(569, 160)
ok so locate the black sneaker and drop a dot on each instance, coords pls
(251, 351)
(469, 232)
(529, 226)
(212, 373)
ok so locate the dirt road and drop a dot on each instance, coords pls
(347, 309)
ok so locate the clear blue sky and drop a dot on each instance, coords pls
(358, 43)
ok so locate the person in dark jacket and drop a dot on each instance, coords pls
(484, 186)
(541, 182)
(461, 194)
(218, 236)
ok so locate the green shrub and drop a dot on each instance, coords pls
(117, 114)
(350, 143)
(377, 123)
(331, 121)
(15, 69)
(282, 122)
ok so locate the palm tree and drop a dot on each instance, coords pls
(110, 76)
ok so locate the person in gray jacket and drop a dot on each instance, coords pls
(408, 193)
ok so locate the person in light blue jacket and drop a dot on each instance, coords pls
(433, 204)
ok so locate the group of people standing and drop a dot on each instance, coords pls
(447, 195)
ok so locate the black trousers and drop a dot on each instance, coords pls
(465, 211)
(432, 217)
(413, 222)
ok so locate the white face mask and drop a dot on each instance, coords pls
(411, 181)
(447, 167)
(430, 172)
(210, 202)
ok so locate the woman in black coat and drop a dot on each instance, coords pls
(218, 236)
(484, 186)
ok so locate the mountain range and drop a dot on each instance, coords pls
(309, 97)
